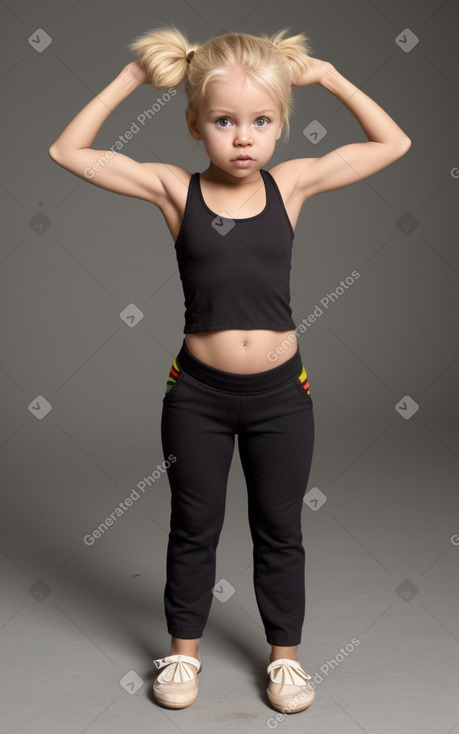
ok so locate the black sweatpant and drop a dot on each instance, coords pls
(272, 415)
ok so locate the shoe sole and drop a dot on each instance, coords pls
(284, 708)
(177, 705)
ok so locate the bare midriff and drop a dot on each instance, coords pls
(244, 351)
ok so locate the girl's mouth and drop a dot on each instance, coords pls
(243, 161)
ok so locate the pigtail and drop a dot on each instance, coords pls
(296, 49)
(164, 54)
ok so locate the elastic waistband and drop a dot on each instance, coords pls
(266, 380)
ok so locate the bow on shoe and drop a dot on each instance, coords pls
(177, 669)
(287, 672)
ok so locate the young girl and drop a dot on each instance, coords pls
(239, 369)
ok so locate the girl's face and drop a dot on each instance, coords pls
(239, 124)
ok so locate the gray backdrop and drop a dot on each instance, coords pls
(83, 379)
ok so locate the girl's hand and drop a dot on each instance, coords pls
(314, 73)
(137, 73)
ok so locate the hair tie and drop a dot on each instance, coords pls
(189, 56)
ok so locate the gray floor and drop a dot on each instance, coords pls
(79, 630)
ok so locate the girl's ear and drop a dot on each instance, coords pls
(279, 132)
(192, 122)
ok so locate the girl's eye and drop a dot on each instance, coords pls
(225, 122)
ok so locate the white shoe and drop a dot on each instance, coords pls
(288, 689)
(177, 686)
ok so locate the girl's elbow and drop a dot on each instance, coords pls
(57, 156)
(52, 152)
(400, 148)
(405, 144)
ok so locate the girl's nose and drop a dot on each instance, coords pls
(243, 136)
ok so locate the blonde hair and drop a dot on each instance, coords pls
(274, 62)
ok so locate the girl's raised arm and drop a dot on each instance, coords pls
(350, 163)
(106, 168)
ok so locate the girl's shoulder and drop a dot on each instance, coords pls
(174, 179)
(286, 176)
(287, 171)
(171, 183)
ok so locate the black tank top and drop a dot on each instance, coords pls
(235, 273)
